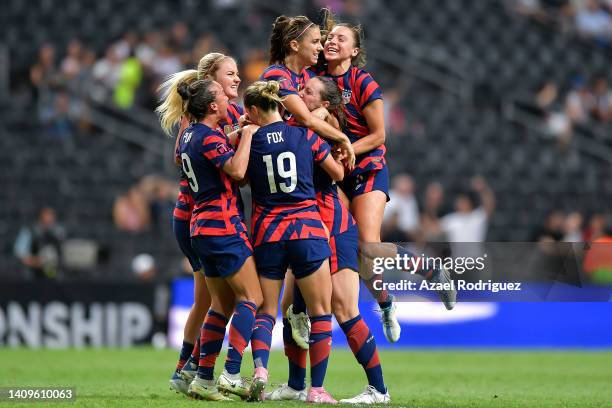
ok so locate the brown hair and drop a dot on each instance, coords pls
(330, 21)
(332, 94)
(284, 30)
(171, 108)
(197, 97)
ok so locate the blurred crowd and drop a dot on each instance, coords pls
(65, 82)
(590, 19)
(429, 217)
(582, 103)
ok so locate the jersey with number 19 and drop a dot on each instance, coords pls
(281, 176)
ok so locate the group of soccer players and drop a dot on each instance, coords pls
(302, 232)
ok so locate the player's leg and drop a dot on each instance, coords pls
(310, 266)
(345, 305)
(271, 267)
(201, 304)
(196, 314)
(368, 209)
(295, 387)
(212, 334)
(246, 288)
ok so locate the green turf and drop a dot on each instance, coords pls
(139, 377)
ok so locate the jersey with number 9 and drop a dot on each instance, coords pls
(203, 152)
(281, 176)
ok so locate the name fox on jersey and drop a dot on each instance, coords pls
(275, 137)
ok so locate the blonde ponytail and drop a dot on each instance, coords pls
(173, 106)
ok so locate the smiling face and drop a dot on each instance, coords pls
(311, 94)
(221, 100)
(340, 45)
(308, 46)
(227, 76)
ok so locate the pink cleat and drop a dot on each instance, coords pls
(260, 380)
(318, 395)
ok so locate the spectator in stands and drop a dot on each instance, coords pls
(572, 227)
(469, 221)
(131, 211)
(71, 64)
(143, 267)
(598, 258)
(58, 121)
(105, 72)
(254, 64)
(552, 230)
(44, 77)
(602, 100)
(403, 207)
(592, 21)
(548, 105)
(595, 228)
(167, 62)
(130, 76)
(431, 227)
(579, 101)
(39, 247)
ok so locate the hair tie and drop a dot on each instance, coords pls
(303, 31)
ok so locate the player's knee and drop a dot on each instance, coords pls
(341, 309)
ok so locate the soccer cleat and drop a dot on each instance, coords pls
(178, 384)
(370, 395)
(300, 327)
(260, 380)
(189, 371)
(448, 296)
(286, 393)
(391, 326)
(206, 390)
(318, 395)
(234, 384)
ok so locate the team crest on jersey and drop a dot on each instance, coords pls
(222, 148)
(346, 95)
(227, 129)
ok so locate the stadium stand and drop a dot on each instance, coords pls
(466, 71)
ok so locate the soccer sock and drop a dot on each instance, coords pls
(195, 354)
(261, 340)
(381, 296)
(297, 359)
(320, 347)
(299, 304)
(184, 356)
(211, 341)
(364, 348)
(240, 333)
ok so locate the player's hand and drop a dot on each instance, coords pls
(249, 130)
(349, 153)
(244, 120)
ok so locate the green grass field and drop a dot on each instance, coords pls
(139, 377)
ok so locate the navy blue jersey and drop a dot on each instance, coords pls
(281, 176)
(203, 153)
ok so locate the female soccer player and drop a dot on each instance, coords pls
(323, 98)
(367, 185)
(295, 44)
(287, 230)
(218, 232)
(224, 70)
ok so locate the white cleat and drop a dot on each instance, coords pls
(206, 390)
(391, 326)
(189, 372)
(447, 296)
(286, 393)
(370, 395)
(300, 327)
(233, 384)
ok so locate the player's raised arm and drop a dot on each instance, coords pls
(236, 166)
